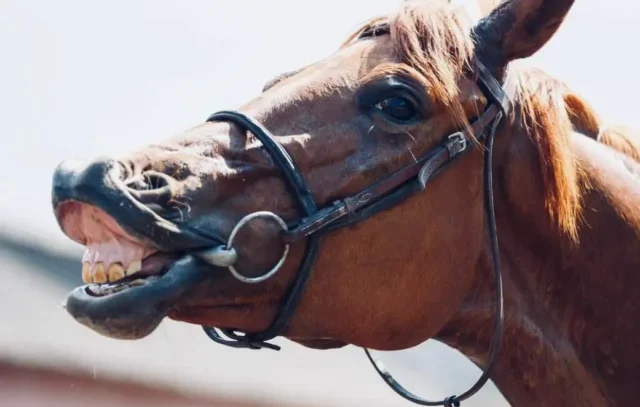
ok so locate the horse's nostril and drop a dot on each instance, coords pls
(148, 180)
(151, 187)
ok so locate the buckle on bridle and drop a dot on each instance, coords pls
(456, 143)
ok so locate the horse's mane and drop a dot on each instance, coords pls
(548, 118)
(432, 38)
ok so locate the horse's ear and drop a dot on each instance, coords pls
(517, 29)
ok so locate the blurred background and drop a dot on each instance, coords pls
(81, 79)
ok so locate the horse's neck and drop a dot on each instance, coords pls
(572, 313)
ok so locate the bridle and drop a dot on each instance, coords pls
(384, 194)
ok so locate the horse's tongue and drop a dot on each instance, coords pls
(156, 263)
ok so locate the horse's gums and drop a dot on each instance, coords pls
(111, 254)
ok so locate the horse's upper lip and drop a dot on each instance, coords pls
(99, 183)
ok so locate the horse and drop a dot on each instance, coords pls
(416, 184)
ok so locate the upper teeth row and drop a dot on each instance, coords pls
(100, 274)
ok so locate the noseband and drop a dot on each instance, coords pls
(380, 196)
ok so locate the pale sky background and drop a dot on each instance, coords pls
(79, 79)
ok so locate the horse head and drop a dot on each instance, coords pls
(255, 220)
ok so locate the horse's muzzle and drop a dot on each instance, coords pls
(134, 310)
(103, 184)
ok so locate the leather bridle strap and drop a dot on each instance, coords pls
(422, 170)
(307, 206)
(292, 174)
(500, 99)
(496, 340)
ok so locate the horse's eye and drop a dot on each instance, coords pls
(398, 108)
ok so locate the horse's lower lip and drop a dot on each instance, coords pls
(135, 312)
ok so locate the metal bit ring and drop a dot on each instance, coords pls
(234, 232)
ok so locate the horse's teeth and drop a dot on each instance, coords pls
(86, 273)
(108, 270)
(134, 267)
(137, 282)
(99, 273)
(116, 272)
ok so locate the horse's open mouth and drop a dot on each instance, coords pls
(130, 287)
(146, 271)
(113, 260)
(135, 265)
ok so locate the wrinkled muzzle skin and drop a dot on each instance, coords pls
(145, 217)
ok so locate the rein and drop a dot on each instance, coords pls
(379, 196)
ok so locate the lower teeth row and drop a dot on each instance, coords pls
(106, 289)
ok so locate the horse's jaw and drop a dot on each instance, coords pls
(322, 344)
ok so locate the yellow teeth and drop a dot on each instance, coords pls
(99, 273)
(137, 282)
(86, 273)
(116, 272)
(134, 267)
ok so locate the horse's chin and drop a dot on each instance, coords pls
(321, 344)
(133, 311)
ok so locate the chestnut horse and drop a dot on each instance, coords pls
(415, 140)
